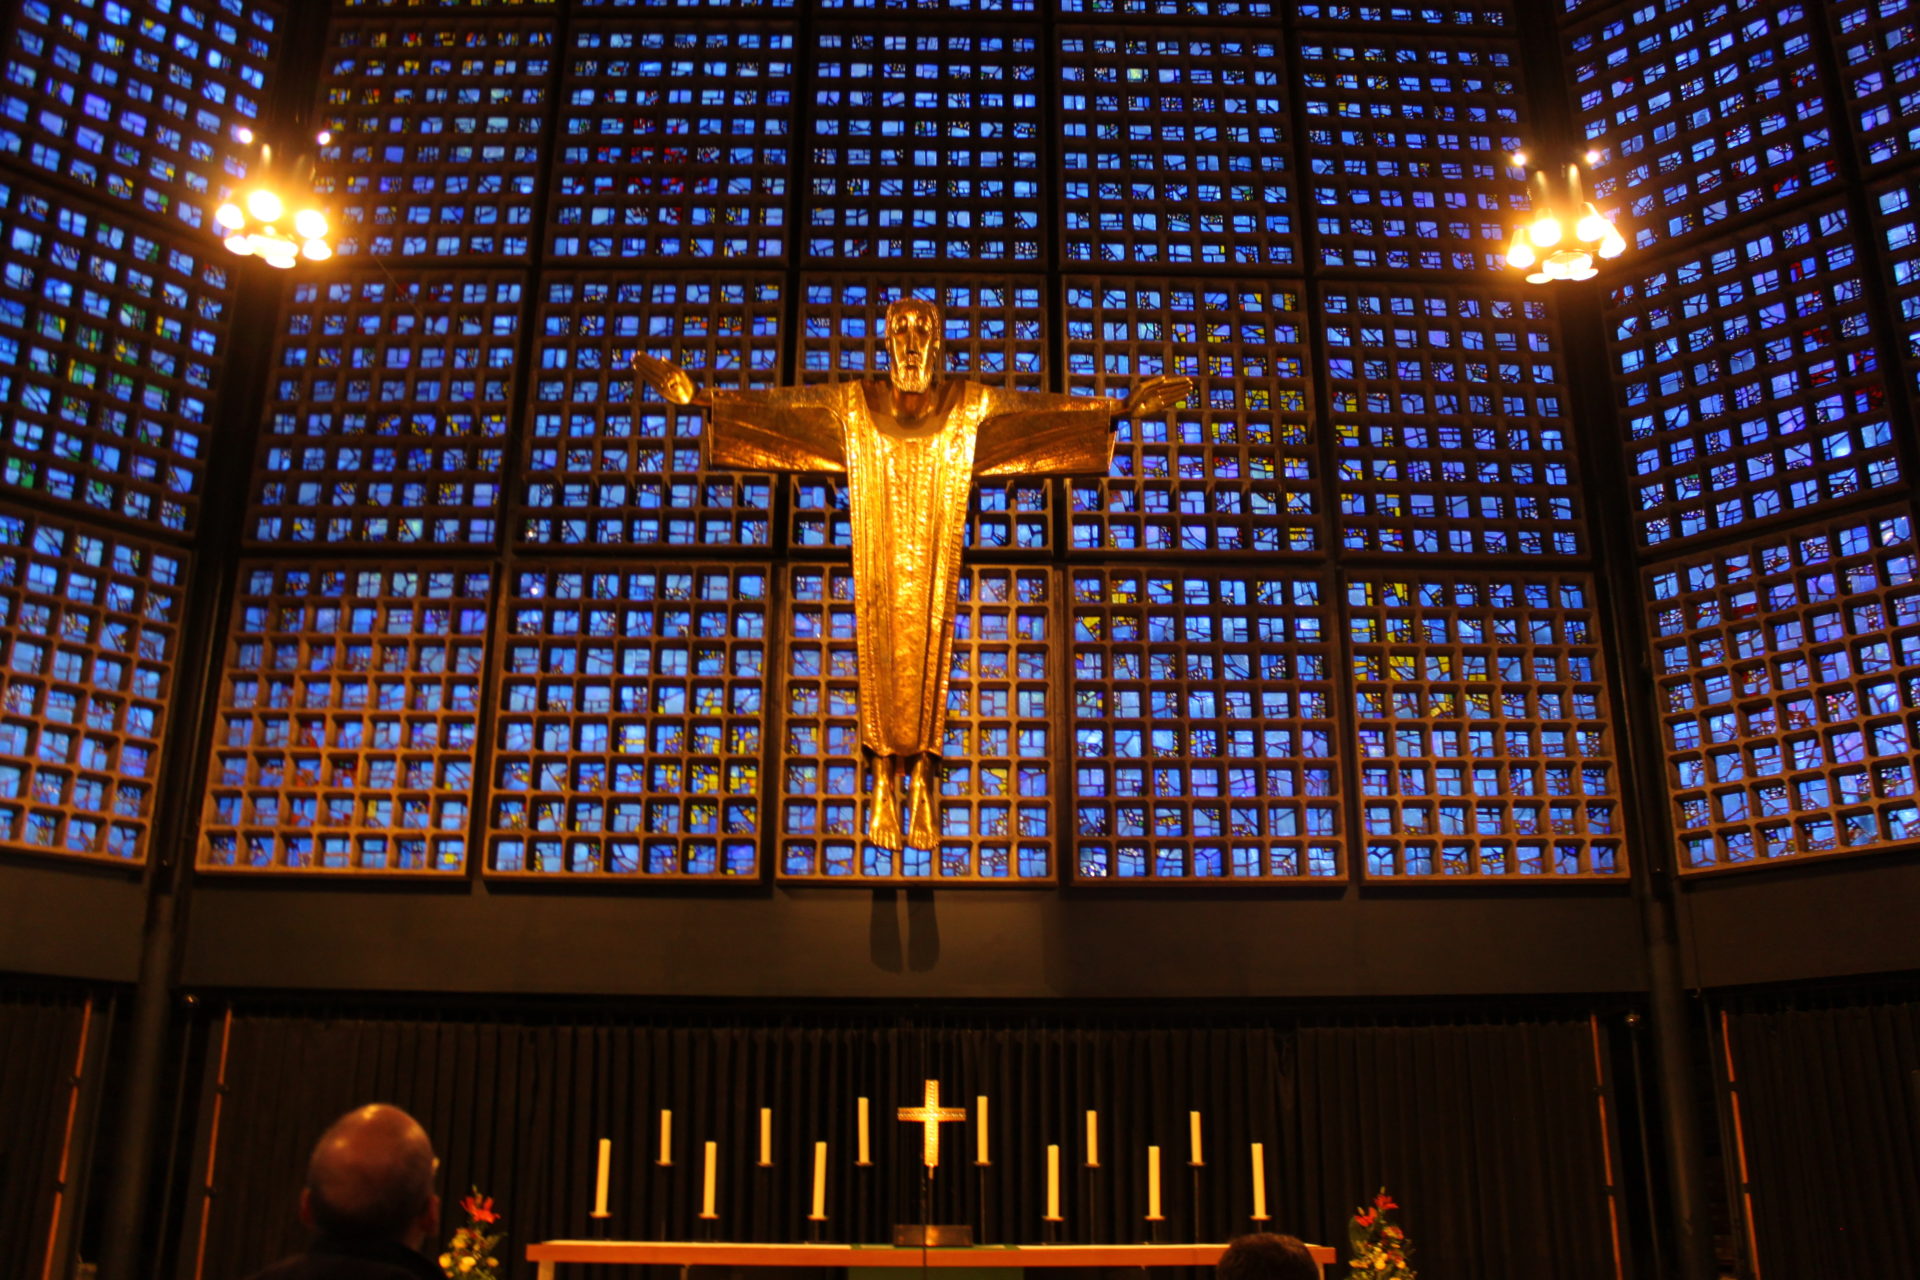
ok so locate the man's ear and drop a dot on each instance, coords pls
(306, 1208)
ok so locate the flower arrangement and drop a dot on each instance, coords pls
(1379, 1247)
(470, 1254)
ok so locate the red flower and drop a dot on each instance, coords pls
(1384, 1203)
(1364, 1219)
(480, 1208)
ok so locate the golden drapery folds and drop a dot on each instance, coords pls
(909, 484)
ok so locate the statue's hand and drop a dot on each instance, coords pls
(1156, 394)
(670, 380)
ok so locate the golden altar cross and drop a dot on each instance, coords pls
(929, 1115)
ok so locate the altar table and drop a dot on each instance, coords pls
(686, 1253)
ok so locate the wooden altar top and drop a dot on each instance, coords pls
(720, 1254)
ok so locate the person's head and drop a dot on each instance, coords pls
(371, 1179)
(1266, 1257)
(914, 359)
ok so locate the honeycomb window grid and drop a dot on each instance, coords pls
(435, 135)
(609, 464)
(629, 735)
(1748, 380)
(387, 409)
(1188, 10)
(675, 142)
(994, 333)
(1172, 150)
(1698, 115)
(152, 108)
(110, 342)
(992, 8)
(1484, 739)
(1409, 149)
(1787, 673)
(1878, 44)
(1450, 420)
(346, 733)
(1895, 215)
(1204, 733)
(1448, 17)
(89, 629)
(997, 810)
(1232, 468)
(924, 145)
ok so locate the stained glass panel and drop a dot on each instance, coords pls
(1878, 43)
(997, 807)
(1203, 727)
(1450, 412)
(603, 468)
(1788, 677)
(631, 704)
(349, 712)
(89, 629)
(1173, 150)
(1485, 734)
(1467, 17)
(1896, 221)
(1232, 468)
(674, 142)
(110, 342)
(1748, 380)
(387, 409)
(436, 135)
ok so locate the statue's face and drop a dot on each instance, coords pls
(913, 347)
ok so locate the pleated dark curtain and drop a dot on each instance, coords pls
(1489, 1136)
(518, 1110)
(1827, 1105)
(39, 1039)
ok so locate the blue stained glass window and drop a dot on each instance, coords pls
(997, 820)
(387, 409)
(1170, 8)
(1485, 735)
(111, 339)
(1408, 150)
(1897, 224)
(1450, 409)
(348, 720)
(924, 147)
(1747, 378)
(1878, 42)
(1230, 469)
(1204, 738)
(1787, 674)
(631, 704)
(1174, 151)
(1699, 114)
(674, 142)
(89, 630)
(435, 135)
(995, 334)
(150, 105)
(1453, 16)
(606, 468)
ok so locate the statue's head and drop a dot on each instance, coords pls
(914, 355)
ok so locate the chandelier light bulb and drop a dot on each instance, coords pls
(1592, 228)
(1614, 245)
(265, 205)
(1585, 273)
(1520, 254)
(231, 216)
(240, 243)
(1545, 231)
(1592, 158)
(1520, 157)
(312, 224)
(1539, 277)
(316, 250)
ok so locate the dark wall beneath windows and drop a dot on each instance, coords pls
(867, 944)
(1791, 923)
(71, 922)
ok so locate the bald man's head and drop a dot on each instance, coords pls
(371, 1179)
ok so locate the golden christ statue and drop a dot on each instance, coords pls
(910, 448)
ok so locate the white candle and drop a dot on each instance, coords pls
(1259, 1182)
(1193, 1124)
(766, 1135)
(1093, 1139)
(600, 1179)
(1053, 1182)
(1153, 1184)
(864, 1153)
(819, 1182)
(980, 1144)
(666, 1136)
(706, 1194)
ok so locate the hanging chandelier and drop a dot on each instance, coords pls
(1542, 245)
(275, 217)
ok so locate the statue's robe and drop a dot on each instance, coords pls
(908, 489)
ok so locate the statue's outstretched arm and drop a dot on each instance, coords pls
(783, 429)
(1035, 433)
